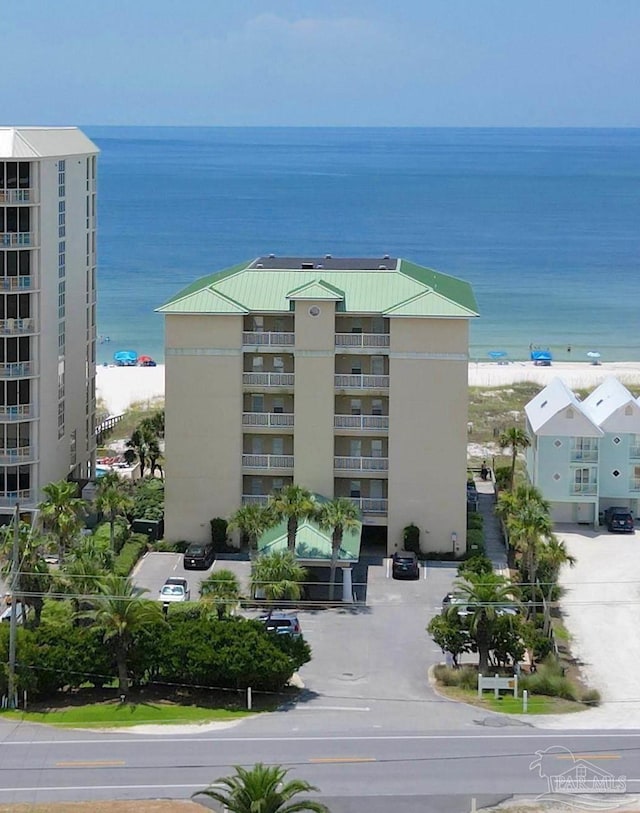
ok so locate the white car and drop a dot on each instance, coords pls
(175, 589)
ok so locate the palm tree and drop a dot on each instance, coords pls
(137, 447)
(252, 520)
(34, 578)
(222, 590)
(510, 501)
(337, 516)
(114, 500)
(514, 439)
(292, 504)
(554, 554)
(279, 575)
(120, 610)
(62, 512)
(155, 423)
(484, 594)
(262, 789)
(529, 526)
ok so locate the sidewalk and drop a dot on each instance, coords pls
(494, 544)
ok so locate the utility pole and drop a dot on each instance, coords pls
(13, 627)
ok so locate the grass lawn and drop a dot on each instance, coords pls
(105, 807)
(538, 704)
(114, 713)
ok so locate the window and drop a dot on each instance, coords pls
(256, 445)
(278, 363)
(60, 419)
(376, 407)
(377, 365)
(278, 405)
(356, 367)
(277, 446)
(354, 489)
(356, 406)
(376, 489)
(258, 324)
(356, 326)
(376, 448)
(355, 448)
(277, 484)
(378, 325)
(257, 403)
(257, 362)
(256, 486)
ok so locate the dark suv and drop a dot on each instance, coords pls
(619, 519)
(404, 563)
(199, 556)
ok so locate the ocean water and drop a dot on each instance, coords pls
(545, 223)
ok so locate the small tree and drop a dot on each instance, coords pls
(252, 520)
(450, 633)
(292, 504)
(411, 538)
(222, 591)
(279, 575)
(62, 512)
(113, 499)
(514, 439)
(219, 528)
(337, 516)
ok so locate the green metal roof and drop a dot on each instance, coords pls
(399, 290)
(311, 542)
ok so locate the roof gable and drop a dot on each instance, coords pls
(556, 410)
(204, 301)
(316, 289)
(428, 303)
(43, 142)
(612, 407)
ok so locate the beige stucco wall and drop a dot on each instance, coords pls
(203, 401)
(427, 431)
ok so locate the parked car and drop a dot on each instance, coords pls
(175, 589)
(199, 556)
(404, 564)
(282, 624)
(465, 608)
(5, 616)
(619, 519)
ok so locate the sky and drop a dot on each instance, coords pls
(483, 63)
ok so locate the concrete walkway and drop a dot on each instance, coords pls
(493, 541)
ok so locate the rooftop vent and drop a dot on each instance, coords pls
(259, 265)
(327, 256)
(386, 257)
(382, 267)
(306, 265)
(272, 256)
(319, 265)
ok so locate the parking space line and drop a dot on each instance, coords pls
(388, 565)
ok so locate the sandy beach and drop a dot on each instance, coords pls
(119, 387)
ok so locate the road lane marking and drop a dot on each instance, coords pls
(98, 763)
(327, 760)
(589, 757)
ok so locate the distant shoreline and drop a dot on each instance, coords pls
(119, 387)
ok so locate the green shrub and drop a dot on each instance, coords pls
(164, 546)
(411, 538)
(502, 476)
(550, 680)
(479, 564)
(219, 533)
(129, 555)
(590, 697)
(148, 499)
(464, 678)
(475, 521)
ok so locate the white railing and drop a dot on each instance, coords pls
(361, 463)
(8, 499)
(267, 419)
(10, 196)
(19, 238)
(15, 455)
(368, 505)
(267, 461)
(17, 412)
(13, 326)
(584, 488)
(258, 337)
(268, 379)
(586, 456)
(16, 283)
(359, 382)
(634, 484)
(17, 369)
(255, 499)
(362, 340)
(361, 422)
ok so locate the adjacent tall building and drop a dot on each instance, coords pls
(346, 376)
(47, 309)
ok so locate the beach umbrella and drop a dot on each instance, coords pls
(497, 354)
(144, 359)
(593, 354)
(126, 356)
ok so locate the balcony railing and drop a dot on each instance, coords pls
(16, 238)
(8, 499)
(634, 484)
(268, 379)
(255, 499)
(359, 382)
(361, 422)
(369, 505)
(16, 283)
(17, 412)
(12, 196)
(588, 489)
(274, 419)
(584, 456)
(267, 461)
(362, 340)
(260, 338)
(13, 327)
(361, 463)
(20, 455)
(17, 369)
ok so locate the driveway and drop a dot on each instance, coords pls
(600, 608)
(154, 568)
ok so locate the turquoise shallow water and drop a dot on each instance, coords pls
(543, 223)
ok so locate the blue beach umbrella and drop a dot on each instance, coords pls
(594, 356)
(125, 357)
(497, 354)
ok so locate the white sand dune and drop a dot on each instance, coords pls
(119, 387)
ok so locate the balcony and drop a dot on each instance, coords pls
(18, 369)
(10, 239)
(23, 454)
(362, 382)
(17, 412)
(362, 423)
(368, 505)
(584, 456)
(267, 461)
(268, 419)
(360, 340)
(16, 283)
(8, 499)
(12, 196)
(361, 463)
(261, 339)
(255, 499)
(268, 379)
(586, 489)
(634, 484)
(16, 327)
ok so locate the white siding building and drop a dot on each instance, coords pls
(47, 309)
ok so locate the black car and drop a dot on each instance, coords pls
(199, 556)
(619, 519)
(404, 564)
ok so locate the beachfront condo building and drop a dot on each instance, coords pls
(345, 376)
(585, 455)
(47, 309)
